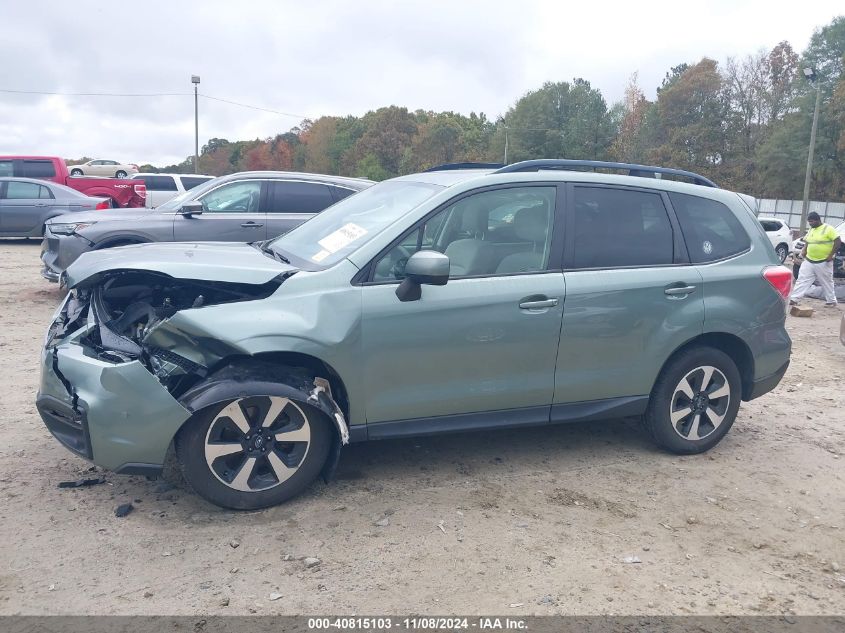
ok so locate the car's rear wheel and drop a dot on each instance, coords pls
(782, 251)
(253, 452)
(120, 174)
(75, 172)
(694, 401)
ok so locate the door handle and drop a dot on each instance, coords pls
(683, 290)
(251, 225)
(538, 304)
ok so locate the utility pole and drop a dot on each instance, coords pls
(506, 146)
(195, 79)
(810, 74)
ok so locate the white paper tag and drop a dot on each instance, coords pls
(344, 236)
(320, 256)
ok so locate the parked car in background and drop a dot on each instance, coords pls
(244, 207)
(779, 234)
(163, 187)
(435, 302)
(838, 258)
(120, 193)
(26, 204)
(104, 167)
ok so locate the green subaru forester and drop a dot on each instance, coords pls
(444, 301)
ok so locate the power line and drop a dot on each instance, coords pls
(97, 94)
(151, 94)
(252, 107)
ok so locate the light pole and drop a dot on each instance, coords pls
(195, 79)
(810, 74)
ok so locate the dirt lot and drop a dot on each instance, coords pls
(536, 521)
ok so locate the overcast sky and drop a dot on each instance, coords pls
(336, 58)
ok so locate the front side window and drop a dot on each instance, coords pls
(497, 232)
(620, 228)
(236, 197)
(160, 183)
(189, 182)
(711, 230)
(300, 197)
(38, 169)
(16, 190)
(45, 193)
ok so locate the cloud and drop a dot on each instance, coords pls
(334, 58)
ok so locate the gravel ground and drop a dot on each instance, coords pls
(577, 519)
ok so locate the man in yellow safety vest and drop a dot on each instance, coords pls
(820, 245)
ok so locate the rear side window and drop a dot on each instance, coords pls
(25, 191)
(6, 168)
(38, 169)
(189, 182)
(299, 197)
(770, 225)
(711, 230)
(160, 183)
(616, 228)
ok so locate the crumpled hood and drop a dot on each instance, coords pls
(209, 261)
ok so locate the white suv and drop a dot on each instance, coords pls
(778, 232)
(163, 187)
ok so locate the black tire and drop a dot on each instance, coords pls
(120, 174)
(75, 172)
(668, 399)
(220, 479)
(782, 251)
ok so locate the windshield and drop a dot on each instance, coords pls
(344, 227)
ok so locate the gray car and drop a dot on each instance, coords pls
(243, 207)
(26, 204)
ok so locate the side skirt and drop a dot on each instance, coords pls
(510, 418)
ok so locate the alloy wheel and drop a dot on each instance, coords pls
(700, 403)
(257, 443)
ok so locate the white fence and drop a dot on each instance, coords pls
(790, 210)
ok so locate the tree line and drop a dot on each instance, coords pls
(744, 123)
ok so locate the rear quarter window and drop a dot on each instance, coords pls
(711, 230)
(769, 225)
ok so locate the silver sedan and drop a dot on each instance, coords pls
(26, 204)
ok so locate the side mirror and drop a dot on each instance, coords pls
(423, 267)
(191, 208)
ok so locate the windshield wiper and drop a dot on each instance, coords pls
(264, 248)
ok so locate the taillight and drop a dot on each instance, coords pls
(141, 190)
(103, 205)
(781, 279)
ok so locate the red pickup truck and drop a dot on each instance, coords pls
(121, 192)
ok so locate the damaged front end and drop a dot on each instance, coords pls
(110, 386)
(125, 311)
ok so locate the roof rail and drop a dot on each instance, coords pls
(456, 166)
(643, 171)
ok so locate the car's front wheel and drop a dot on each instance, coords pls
(120, 174)
(694, 401)
(253, 452)
(782, 251)
(75, 172)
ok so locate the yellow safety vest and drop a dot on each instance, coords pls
(820, 242)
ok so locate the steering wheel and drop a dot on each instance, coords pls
(399, 256)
